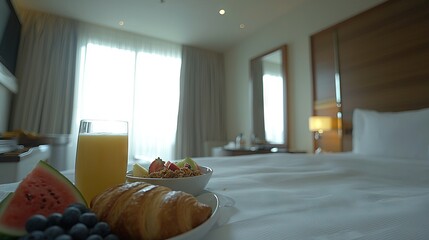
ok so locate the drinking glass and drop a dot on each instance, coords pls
(101, 157)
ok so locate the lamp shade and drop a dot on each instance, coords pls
(322, 123)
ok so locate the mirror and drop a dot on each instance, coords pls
(269, 98)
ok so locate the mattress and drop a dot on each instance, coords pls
(317, 196)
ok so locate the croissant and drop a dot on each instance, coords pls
(143, 211)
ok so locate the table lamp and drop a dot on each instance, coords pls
(319, 124)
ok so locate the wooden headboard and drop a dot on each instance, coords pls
(376, 60)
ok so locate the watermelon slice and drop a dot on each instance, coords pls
(43, 191)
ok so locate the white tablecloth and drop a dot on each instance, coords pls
(328, 196)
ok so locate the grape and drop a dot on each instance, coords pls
(70, 217)
(101, 228)
(79, 231)
(53, 232)
(36, 222)
(89, 219)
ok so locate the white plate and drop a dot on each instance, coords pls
(198, 233)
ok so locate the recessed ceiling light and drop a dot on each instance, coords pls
(242, 26)
(121, 23)
(222, 11)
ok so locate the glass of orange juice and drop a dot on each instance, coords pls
(101, 157)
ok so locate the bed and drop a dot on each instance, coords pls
(317, 196)
(325, 196)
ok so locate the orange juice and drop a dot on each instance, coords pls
(101, 162)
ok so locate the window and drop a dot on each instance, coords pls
(139, 87)
(273, 108)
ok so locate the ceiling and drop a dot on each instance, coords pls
(189, 22)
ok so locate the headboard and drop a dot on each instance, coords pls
(376, 60)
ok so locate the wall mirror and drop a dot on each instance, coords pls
(269, 98)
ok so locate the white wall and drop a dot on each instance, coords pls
(294, 30)
(8, 86)
(5, 98)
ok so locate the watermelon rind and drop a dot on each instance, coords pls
(3, 205)
(7, 229)
(64, 179)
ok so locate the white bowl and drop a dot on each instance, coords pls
(193, 185)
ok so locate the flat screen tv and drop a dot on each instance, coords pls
(10, 32)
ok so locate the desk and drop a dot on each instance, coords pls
(14, 166)
(223, 151)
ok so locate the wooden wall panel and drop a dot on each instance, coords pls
(383, 57)
(323, 66)
(323, 57)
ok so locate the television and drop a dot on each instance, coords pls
(10, 33)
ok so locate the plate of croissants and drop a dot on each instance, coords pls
(140, 210)
(211, 200)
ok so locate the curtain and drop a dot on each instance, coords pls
(202, 101)
(124, 76)
(46, 74)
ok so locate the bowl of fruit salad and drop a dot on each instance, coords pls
(185, 175)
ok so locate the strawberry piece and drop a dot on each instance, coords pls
(156, 165)
(172, 166)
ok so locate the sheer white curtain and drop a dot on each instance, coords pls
(156, 106)
(45, 73)
(129, 77)
(202, 102)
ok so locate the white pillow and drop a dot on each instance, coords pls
(391, 134)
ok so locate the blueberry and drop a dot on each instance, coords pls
(70, 217)
(94, 237)
(36, 222)
(54, 219)
(89, 219)
(53, 232)
(80, 206)
(111, 237)
(79, 231)
(101, 228)
(35, 235)
(64, 237)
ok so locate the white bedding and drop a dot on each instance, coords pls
(327, 196)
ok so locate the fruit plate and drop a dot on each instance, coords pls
(193, 185)
(199, 232)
